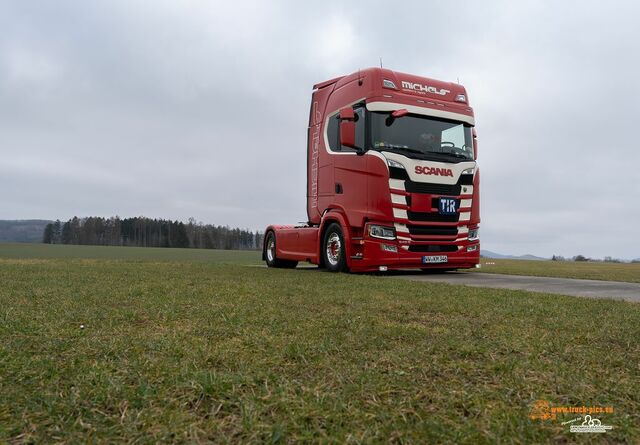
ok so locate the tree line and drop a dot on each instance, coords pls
(147, 232)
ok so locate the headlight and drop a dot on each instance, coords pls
(468, 171)
(395, 164)
(382, 232)
(473, 234)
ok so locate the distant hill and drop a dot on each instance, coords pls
(499, 256)
(22, 231)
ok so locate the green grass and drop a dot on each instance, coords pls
(629, 272)
(204, 351)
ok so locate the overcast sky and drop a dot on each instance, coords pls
(179, 109)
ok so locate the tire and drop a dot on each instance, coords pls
(270, 254)
(334, 249)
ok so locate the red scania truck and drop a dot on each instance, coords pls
(392, 180)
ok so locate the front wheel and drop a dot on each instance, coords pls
(270, 254)
(333, 249)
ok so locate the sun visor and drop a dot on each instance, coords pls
(424, 111)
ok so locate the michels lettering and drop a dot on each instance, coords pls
(433, 171)
(417, 87)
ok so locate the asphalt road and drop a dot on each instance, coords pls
(562, 286)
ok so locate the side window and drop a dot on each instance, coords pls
(333, 132)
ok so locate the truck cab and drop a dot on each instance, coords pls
(392, 179)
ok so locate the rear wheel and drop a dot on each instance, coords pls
(333, 249)
(270, 254)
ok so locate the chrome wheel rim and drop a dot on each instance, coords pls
(271, 250)
(334, 248)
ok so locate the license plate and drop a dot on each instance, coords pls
(448, 206)
(435, 259)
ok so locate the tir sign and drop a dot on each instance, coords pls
(448, 206)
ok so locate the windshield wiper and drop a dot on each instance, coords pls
(397, 147)
(423, 154)
(455, 155)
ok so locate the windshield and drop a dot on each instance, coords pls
(422, 137)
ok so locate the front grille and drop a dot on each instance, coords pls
(432, 189)
(432, 230)
(431, 217)
(432, 248)
(436, 189)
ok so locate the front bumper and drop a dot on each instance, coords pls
(369, 255)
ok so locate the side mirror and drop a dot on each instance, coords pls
(475, 144)
(347, 127)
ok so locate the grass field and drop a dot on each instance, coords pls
(561, 269)
(629, 272)
(59, 251)
(185, 347)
